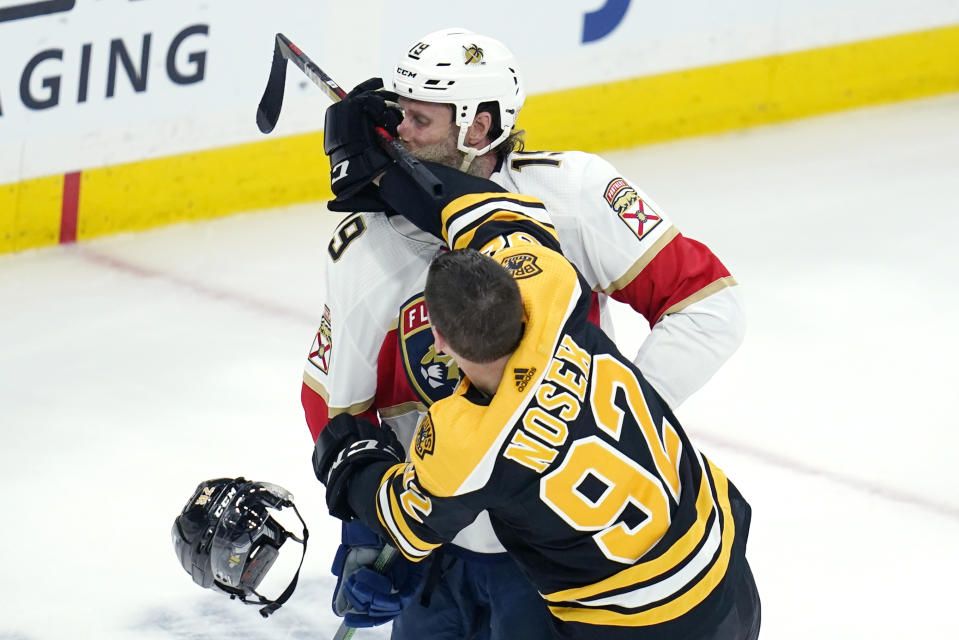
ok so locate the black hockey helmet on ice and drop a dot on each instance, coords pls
(227, 540)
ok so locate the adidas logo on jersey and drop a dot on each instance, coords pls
(522, 377)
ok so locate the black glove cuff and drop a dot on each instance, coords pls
(346, 445)
(341, 476)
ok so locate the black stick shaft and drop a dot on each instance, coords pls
(393, 147)
(292, 52)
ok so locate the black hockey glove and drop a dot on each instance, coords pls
(346, 445)
(353, 146)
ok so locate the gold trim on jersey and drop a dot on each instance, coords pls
(642, 263)
(702, 294)
(498, 204)
(457, 455)
(500, 215)
(392, 517)
(461, 462)
(644, 571)
(353, 409)
(521, 159)
(402, 409)
(675, 607)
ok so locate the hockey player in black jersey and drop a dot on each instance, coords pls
(589, 481)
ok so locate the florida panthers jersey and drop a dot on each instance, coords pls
(624, 246)
(372, 319)
(373, 351)
(587, 477)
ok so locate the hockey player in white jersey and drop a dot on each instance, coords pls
(373, 355)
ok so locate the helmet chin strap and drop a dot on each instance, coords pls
(276, 604)
(468, 157)
(470, 153)
(273, 605)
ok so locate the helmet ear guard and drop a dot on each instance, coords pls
(456, 66)
(226, 539)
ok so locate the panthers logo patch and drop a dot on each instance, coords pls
(522, 265)
(323, 343)
(431, 375)
(425, 439)
(631, 209)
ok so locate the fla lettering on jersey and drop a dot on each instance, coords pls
(431, 375)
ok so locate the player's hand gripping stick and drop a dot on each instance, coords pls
(268, 111)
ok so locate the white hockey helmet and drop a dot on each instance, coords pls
(458, 67)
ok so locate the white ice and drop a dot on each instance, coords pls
(135, 366)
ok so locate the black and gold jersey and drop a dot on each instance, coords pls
(586, 475)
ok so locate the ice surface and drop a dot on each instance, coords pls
(134, 367)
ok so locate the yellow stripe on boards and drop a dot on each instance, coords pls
(742, 94)
(201, 185)
(30, 213)
(287, 170)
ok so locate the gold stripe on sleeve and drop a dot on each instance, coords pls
(642, 263)
(702, 294)
(353, 409)
(396, 523)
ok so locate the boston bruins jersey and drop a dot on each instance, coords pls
(587, 478)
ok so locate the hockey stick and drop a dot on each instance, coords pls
(268, 111)
(380, 565)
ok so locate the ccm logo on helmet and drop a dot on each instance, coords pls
(405, 72)
(225, 502)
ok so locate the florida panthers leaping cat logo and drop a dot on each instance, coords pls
(431, 375)
(438, 369)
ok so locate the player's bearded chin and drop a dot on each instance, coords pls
(443, 152)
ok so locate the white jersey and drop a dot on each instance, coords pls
(374, 265)
(625, 247)
(373, 354)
